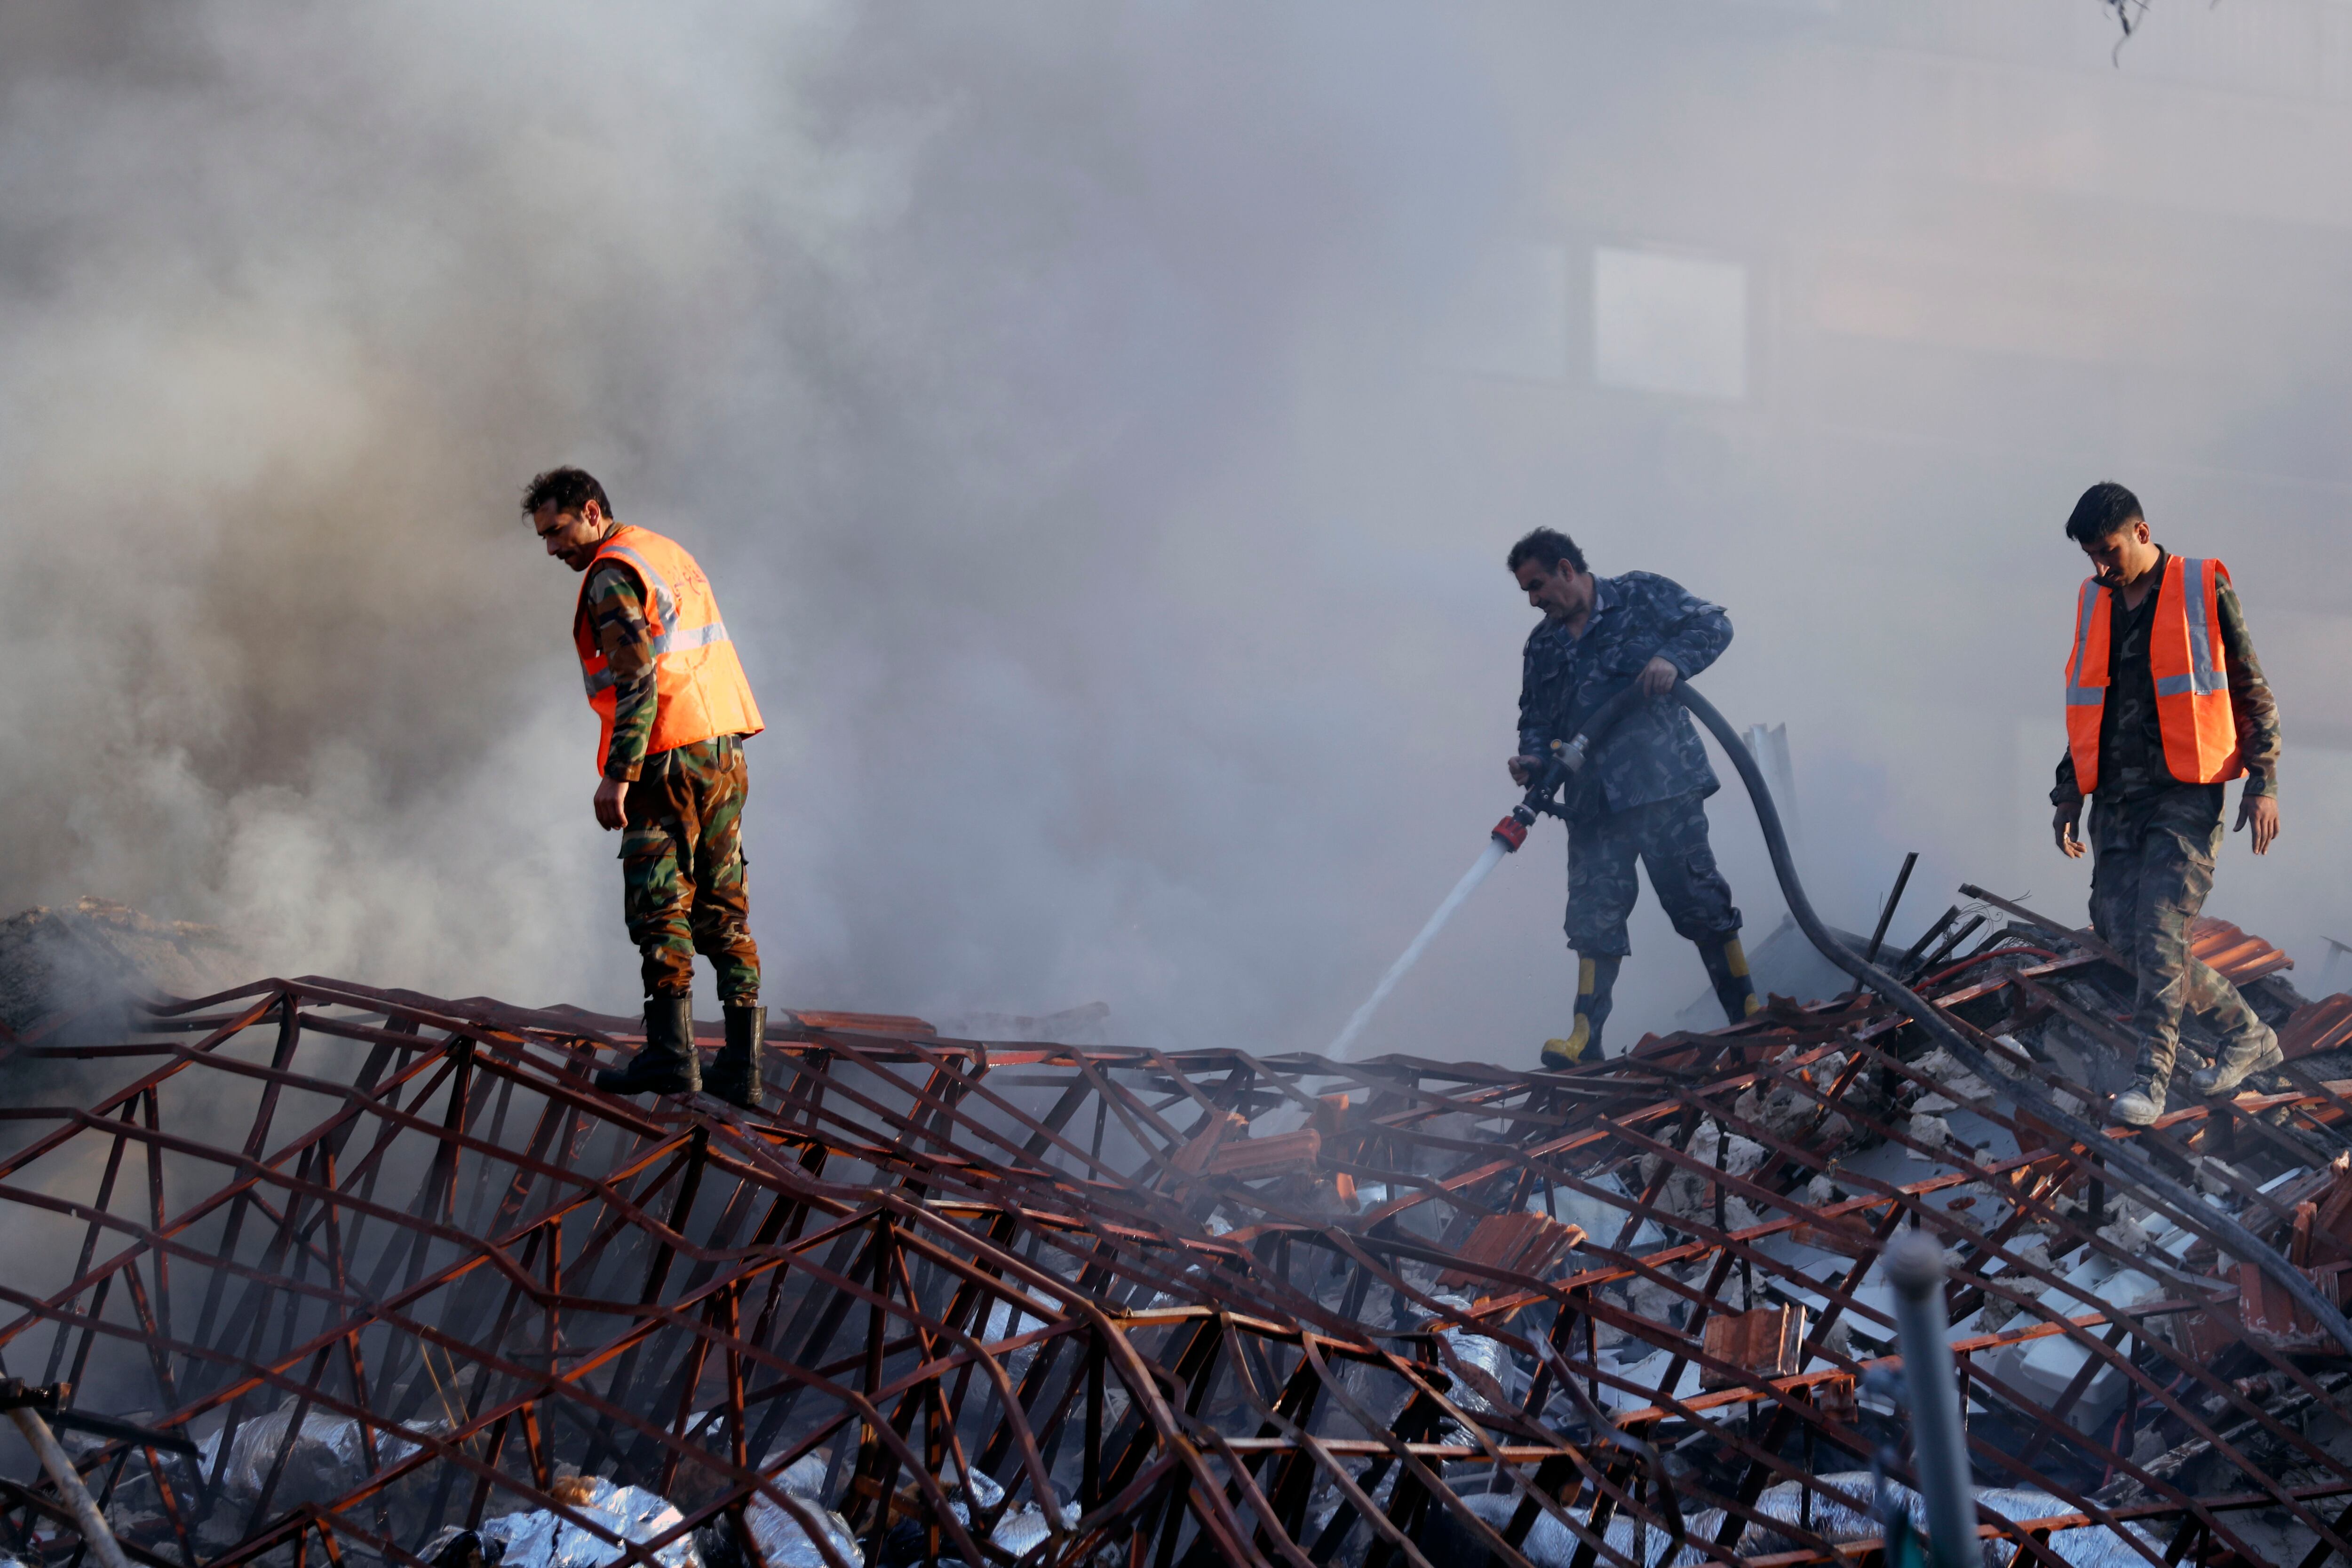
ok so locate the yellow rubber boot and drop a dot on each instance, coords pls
(1558, 1054)
(1596, 979)
(1726, 970)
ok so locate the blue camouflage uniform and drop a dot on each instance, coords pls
(1640, 796)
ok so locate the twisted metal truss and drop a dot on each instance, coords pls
(404, 1274)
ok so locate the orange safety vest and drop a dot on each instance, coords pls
(2184, 655)
(699, 690)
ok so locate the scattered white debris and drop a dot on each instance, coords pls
(542, 1537)
(1930, 1132)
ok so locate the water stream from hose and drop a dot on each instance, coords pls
(1496, 850)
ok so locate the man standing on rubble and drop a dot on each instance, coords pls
(1641, 796)
(2164, 703)
(674, 708)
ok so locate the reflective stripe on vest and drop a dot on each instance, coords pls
(665, 602)
(2203, 676)
(697, 636)
(700, 692)
(2079, 690)
(2185, 660)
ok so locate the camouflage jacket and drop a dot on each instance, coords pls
(1654, 753)
(617, 609)
(2131, 743)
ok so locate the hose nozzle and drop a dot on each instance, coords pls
(1512, 831)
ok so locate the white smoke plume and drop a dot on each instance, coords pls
(1069, 403)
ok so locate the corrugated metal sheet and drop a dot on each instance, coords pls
(2239, 957)
(2320, 1025)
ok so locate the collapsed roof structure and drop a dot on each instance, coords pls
(418, 1293)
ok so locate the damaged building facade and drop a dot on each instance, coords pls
(411, 1290)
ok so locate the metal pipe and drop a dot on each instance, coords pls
(92, 1523)
(1939, 1443)
(1886, 915)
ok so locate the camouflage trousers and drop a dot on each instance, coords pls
(683, 879)
(2152, 869)
(1669, 836)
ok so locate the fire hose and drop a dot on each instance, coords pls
(1567, 760)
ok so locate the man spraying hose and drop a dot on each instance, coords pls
(1641, 796)
(675, 709)
(2165, 704)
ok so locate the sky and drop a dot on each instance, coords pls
(1104, 426)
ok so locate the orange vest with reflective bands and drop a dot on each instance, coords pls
(2184, 655)
(699, 690)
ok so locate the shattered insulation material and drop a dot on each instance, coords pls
(796, 1531)
(419, 1293)
(597, 1521)
(327, 1454)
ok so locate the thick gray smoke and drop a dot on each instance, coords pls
(1104, 426)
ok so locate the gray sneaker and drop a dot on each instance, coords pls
(2239, 1063)
(2140, 1104)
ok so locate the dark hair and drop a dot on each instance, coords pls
(2106, 510)
(571, 489)
(1549, 545)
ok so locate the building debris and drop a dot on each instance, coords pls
(80, 963)
(422, 1295)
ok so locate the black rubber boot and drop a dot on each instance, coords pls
(1727, 970)
(668, 1064)
(734, 1076)
(1596, 981)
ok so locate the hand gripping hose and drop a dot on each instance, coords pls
(2185, 1206)
(1566, 760)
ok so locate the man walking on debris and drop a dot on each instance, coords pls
(675, 709)
(1641, 796)
(2164, 703)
